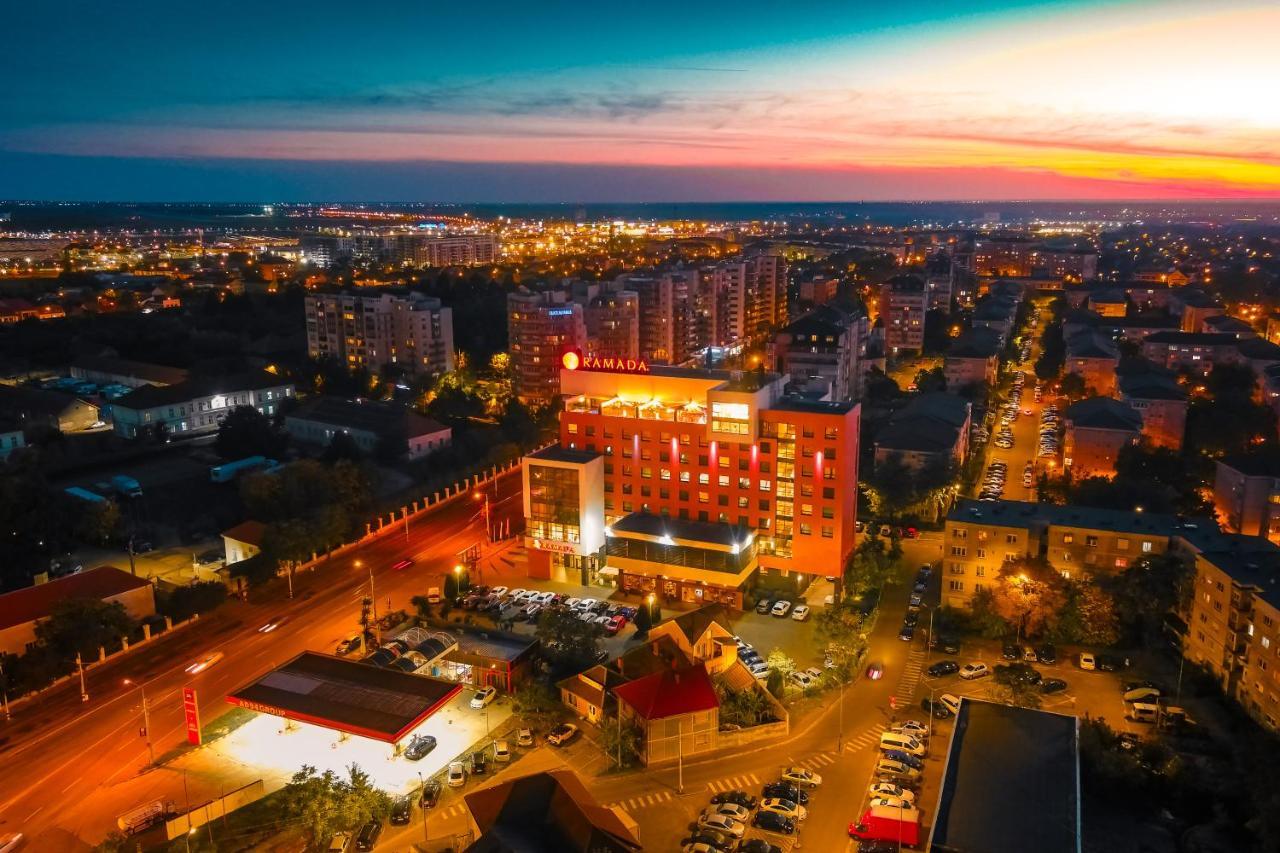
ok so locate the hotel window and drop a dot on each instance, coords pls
(608, 487)
(806, 452)
(646, 473)
(723, 480)
(828, 532)
(1146, 547)
(664, 456)
(980, 571)
(664, 473)
(684, 439)
(744, 503)
(956, 586)
(806, 490)
(766, 467)
(831, 434)
(723, 462)
(805, 530)
(685, 476)
(981, 553)
(828, 472)
(608, 467)
(626, 488)
(807, 432)
(703, 460)
(786, 470)
(828, 512)
(626, 451)
(591, 430)
(627, 470)
(704, 497)
(665, 494)
(1122, 562)
(829, 452)
(744, 482)
(806, 509)
(957, 533)
(722, 500)
(764, 448)
(763, 504)
(684, 494)
(766, 485)
(704, 479)
(684, 458)
(645, 493)
(1068, 538)
(572, 428)
(626, 506)
(645, 455)
(828, 493)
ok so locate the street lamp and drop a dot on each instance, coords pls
(146, 717)
(484, 496)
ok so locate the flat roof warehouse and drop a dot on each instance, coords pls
(347, 696)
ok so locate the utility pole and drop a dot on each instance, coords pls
(680, 754)
(133, 568)
(4, 689)
(422, 806)
(84, 694)
(373, 603)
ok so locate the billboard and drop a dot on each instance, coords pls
(191, 713)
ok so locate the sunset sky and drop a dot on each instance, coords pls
(553, 101)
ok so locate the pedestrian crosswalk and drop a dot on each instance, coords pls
(814, 762)
(867, 738)
(734, 783)
(642, 801)
(910, 678)
(453, 811)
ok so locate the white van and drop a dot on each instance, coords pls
(950, 702)
(1142, 694)
(904, 742)
(1141, 712)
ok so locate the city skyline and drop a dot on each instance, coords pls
(1025, 100)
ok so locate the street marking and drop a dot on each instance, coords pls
(733, 783)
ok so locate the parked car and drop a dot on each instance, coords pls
(875, 671)
(934, 707)
(703, 840)
(892, 789)
(907, 633)
(430, 795)
(479, 762)
(457, 774)
(903, 757)
(721, 823)
(786, 791)
(888, 770)
(773, 822)
(781, 608)
(367, 837)
(915, 728)
(1046, 653)
(524, 737)
(801, 777)
(943, 667)
(483, 697)
(741, 798)
(562, 734)
(501, 751)
(733, 810)
(1086, 661)
(946, 645)
(350, 645)
(800, 680)
(1053, 685)
(786, 808)
(401, 810)
(1011, 651)
(758, 845)
(419, 746)
(800, 613)
(976, 669)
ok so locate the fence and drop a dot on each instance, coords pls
(214, 809)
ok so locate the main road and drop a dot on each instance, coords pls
(72, 766)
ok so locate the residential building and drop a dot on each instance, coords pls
(373, 332)
(980, 536)
(939, 282)
(747, 300)
(1194, 306)
(1109, 303)
(818, 290)
(829, 342)
(197, 406)
(105, 370)
(1068, 264)
(1159, 399)
(1093, 358)
(932, 429)
(757, 480)
(541, 328)
(997, 312)
(1198, 352)
(669, 305)
(21, 610)
(613, 324)
(387, 430)
(36, 410)
(1096, 430)
(406, 248)
(973, 358)
(903, 302)
(1246, 494)
(677, 712)
(1226, 324)
(243, 541)
(16, 309)
(1012, 258)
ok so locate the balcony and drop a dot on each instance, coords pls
(651, 410)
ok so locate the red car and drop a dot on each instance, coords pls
(614, 625)
(403, 564)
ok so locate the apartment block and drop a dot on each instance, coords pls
(829, 344)
(541, 327)
(405, 330)
(405, 248)
(903, 302)
(613, 324)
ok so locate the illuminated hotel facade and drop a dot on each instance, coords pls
(688, 483)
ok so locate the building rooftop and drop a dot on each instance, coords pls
(653, 526)
(347, 696)
(1253, 464)
(250, 532)
(157, 374)
(1011, 783)
(1025, 514)
(1090, 344)
(375, 417)
(931, 422)
(978, 342)
(1103, 413)
(36, 602)
(695, 623)
(800, 403)
(670, 693)
(1202, 339)
(555, 453)
(153, 396)
(1257, 567)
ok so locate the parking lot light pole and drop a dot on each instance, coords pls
(146, 717)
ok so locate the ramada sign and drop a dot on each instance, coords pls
(574, 360)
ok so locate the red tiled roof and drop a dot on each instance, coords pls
(35, 602)
(249, 532)
(670, 693)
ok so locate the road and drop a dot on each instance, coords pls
(83, 763)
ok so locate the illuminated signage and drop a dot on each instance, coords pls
(191, 711)
(554, 547)
(560, 312)
(575, 360)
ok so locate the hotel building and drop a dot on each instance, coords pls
(689, 483)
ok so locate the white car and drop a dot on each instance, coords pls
(732, 810)
(915, 728)
(722, 823)
(813, 672)
(786, 808)
(483, 697)
(890, 789)
(586, 604)
(801, 777)
(801, 612)
(501, 751)
(781, 608)
(518, 594)
(457, 774)
(572, 603)
(890, 802)
(801, 680)
(545, 597)
(498, 590)
(977, 669)
(562, 734)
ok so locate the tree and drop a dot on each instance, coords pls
(776, 684)
(1089, 617)
(838, 632)
(568, 644)
(1020, 694)
(247, 432)
(325, 803)
(198, 597)
(931, 380)
(82, 625)
(1029, 595)
(620, 739)
(1150, 589)
(983, 617)
(780, 661)
(341, 446)
(98, 523)
(643, 622)
(422, 606)
(745, 708)
(537, 703)
(1073, 387)
(872, 565)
